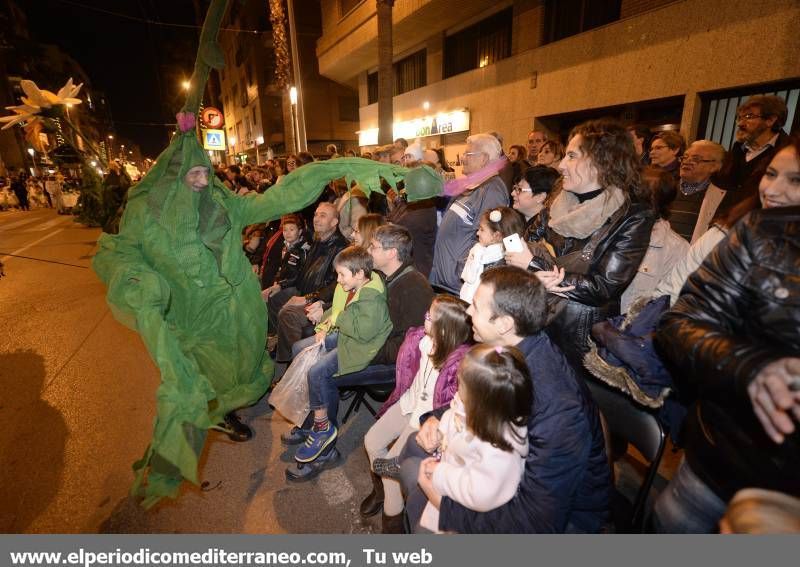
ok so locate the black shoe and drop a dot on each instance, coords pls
(237, 431)
(387, 468)
(295, 436)
(301, 472)
(373, 503)
(393, 524)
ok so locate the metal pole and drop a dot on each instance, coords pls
(301, 117)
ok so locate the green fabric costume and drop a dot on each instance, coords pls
(177, 275)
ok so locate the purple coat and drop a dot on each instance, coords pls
(407, 365)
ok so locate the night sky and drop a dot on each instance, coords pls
(138, 64)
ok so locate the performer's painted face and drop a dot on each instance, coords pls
(197, 178)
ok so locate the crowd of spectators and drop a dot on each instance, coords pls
(484, 311)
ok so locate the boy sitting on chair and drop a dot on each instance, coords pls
(352, 330)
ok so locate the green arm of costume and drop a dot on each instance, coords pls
(302, 186)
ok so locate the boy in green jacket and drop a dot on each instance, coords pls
(352, 331)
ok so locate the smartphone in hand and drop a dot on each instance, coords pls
(513, 243)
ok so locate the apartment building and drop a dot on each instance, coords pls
(467, 66)
(258, 113)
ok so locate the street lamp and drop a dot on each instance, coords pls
(295, 127)
(259, 141)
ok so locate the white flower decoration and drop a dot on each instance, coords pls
(38, 100)
(495, 215)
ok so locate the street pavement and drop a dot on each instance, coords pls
(77, 403)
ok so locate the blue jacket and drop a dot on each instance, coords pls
(566, 485)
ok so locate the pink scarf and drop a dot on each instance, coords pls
(472, 180)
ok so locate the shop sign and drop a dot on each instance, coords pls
(213, 139)
(442, 123)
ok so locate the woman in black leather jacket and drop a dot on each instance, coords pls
(734, 337)
(598, 233)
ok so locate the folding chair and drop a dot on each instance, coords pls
(629, 422)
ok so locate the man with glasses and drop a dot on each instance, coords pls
(457, 232)
(536, 140)
(697, 201)
(759, 136)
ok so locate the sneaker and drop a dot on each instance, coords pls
(235, 429)
(295, 436)
(315, 444)
(387, 468)
(301, 472)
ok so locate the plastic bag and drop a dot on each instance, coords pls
(290, 396)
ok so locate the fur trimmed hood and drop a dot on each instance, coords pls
(572, 219)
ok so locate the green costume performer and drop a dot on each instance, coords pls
(177, 275)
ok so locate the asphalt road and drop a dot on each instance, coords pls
(77, 403)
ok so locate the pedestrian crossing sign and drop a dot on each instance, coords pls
(214, 139)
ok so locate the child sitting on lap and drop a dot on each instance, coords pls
(488, 252)
(484, 436)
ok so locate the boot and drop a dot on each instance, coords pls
(373, 503)
(393, 524)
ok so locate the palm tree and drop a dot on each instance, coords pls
(385, 74)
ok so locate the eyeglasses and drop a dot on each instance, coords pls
(695, 159)
(749, 116)
(518, 189)
(470, 154)
(375, 247)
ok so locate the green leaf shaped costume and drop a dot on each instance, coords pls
(176, 273)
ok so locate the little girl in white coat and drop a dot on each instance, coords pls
(488, 252)
(484, 434)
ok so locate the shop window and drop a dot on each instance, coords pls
(479, 45)
(409, 73)
(565, 18)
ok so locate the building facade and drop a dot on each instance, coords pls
(258, 113)
(513, 66)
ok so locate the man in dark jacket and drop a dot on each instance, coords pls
(314, 288)
(759, 136)
(566, 485)
(733, 337)
(409, 293)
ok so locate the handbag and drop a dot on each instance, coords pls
(290, 396)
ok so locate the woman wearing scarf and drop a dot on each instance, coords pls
(598, 232)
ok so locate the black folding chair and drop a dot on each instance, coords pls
(629, 422)
(377, 392)
(380, 383)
